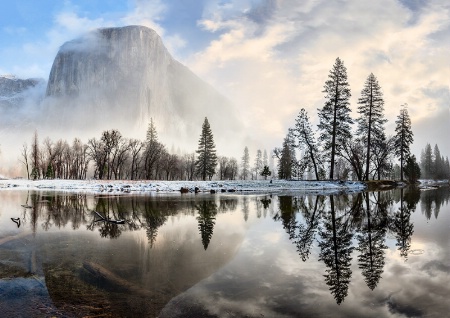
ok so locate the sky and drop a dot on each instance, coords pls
(269, 57)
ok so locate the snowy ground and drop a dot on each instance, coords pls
(145, 186)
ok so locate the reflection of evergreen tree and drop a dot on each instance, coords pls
(206, 218)
(266, 202)
(287, 208)
(402, 227)
(371, 248)
(335, 252)
(245, 208)
(154, 218)
(306, 233)
(227, 204)
(411, 198)
(432, 200)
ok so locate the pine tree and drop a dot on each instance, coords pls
(334, 117)
(265, 158)
(426, 161)
(266, 172)
(205, 165)
(35, 154)
(371, 120)
(447, 168)
(403, 138)
(153, 152)
(305, 137)
(286, 158)
(412, 169)
(245, 164)
(258, 163)
(152, 135)
(439, 169)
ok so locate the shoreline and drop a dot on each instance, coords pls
(228, 186)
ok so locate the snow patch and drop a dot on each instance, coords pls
(149, 186)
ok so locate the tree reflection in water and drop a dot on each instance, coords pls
(400, 223)
(330, 221)
(371, 242)
(138, 212)
(206, 218)
(335, 251)
(337, 219)
(431, 201)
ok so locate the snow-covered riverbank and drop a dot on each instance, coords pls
(146, 186)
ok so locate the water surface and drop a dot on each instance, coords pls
(374, 254)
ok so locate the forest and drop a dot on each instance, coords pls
(338, 152)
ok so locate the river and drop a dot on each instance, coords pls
(368, 254)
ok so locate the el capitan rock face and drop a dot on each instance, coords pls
(126, 75)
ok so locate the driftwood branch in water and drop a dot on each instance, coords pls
(107, 220)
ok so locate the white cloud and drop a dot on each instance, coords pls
(147, 13)
(277, 62)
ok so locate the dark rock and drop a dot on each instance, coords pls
(184, 190)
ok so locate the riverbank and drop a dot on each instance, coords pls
(146, 186)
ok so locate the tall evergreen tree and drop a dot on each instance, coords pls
(35, 155)
(447, 168)
(305, 137)
(245, 164)
(439, 163)
(153, 152)
(426, 161)
(205, 165)
(265, 158)
(371, 120)
(403, 138)
(286, 156)
(258, 163)
(152, 135)
(334, 117)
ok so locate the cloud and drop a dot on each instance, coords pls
(274, 61)
(147, 13)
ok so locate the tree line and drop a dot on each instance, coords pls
(340, 153)
(433, 164)
(112, 156)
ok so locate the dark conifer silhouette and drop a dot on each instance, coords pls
(334, 117)
(205, 165)
(306, 140)
(371, 120)
(403, 138)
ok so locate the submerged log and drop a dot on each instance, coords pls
(109, 279)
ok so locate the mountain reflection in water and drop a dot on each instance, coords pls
(216, 256)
